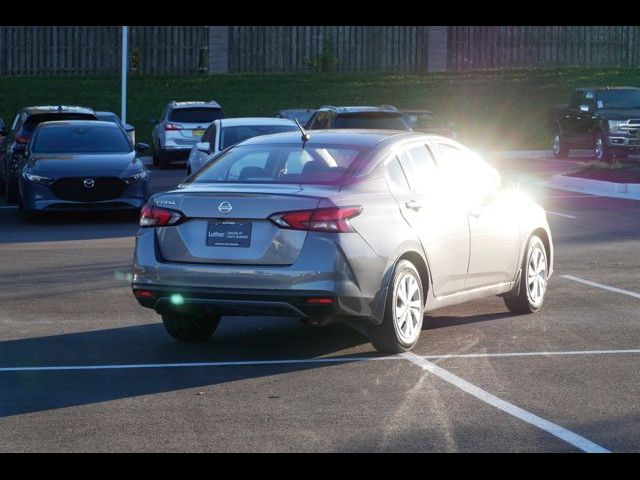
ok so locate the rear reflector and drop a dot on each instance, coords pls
(151, 216)
(143, 293)
(334, 219)
(320, 301)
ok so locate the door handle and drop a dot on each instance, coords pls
(413, 205)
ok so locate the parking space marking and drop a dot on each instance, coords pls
(560, 214)
(601, 286)
(8, 206)
(239, 363)
(532, 354)
(562, 433)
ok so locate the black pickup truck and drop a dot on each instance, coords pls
(606, 119)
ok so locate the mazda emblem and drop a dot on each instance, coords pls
(225, 207)
(89, 183)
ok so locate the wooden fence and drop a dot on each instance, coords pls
(41, 50)
(484, 47)
(330, 48)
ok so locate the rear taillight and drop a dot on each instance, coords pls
(22, 140)
(159, 217)
(172, 126)
(334, 219)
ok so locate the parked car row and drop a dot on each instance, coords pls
(70, 158)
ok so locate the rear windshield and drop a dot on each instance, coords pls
(372, 120)
(232, 135)
(83, 139)
(618, 99)
(34, 120)
(195, 115)
(281, 164)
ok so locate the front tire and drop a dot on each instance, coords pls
(601, 150)
(533, 280)
(559, 146)
(403, 313)
(164, 160)
(190, 327)
(11, 192)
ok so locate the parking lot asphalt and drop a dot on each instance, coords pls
(84, 368)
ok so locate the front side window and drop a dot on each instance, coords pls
(84, 139)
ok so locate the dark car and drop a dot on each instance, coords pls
(606, 119)
(82, 165)
(425, 121)
(24, 124)
(114, 118)
(301, 114)
(384, 117)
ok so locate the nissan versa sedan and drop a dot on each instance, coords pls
(82, 165)
(371, 226)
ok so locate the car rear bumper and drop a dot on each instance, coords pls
(322, 270)
(240, 301)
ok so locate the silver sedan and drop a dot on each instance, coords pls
(376, 227)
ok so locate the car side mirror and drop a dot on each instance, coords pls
(141, 147)
(203, 146)
(584, 108)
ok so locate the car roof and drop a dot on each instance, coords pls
(417, 112)
(242, 121)
(106, 113)
(363, 137)
(57, 109)
(77, 123)
(608, 88)
(360, 109)
(195, 104)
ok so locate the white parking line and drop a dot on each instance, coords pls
(560, 214)
(239, 363)
(556, 430)
(8, 206)
(599, 285)
(533, 354)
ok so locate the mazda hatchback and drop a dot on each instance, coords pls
(375, 227)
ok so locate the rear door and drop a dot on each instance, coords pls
(439, 220)
(493, 220)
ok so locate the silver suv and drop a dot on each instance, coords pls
(179, 128)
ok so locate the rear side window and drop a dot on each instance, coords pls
(70, 139)
(371, 120)
(420, 166)
(195, 115)
(231, 135)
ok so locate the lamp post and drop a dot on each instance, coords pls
(125, 51)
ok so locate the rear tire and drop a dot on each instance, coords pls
(601, 150)
(533, 280)
(559, 146)
(190, 327)
(164, 160)
(403, 313)
(11, 192)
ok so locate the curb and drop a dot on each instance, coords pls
(597, 187)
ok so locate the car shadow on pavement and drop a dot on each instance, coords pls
(238, 339)
(432, 322)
